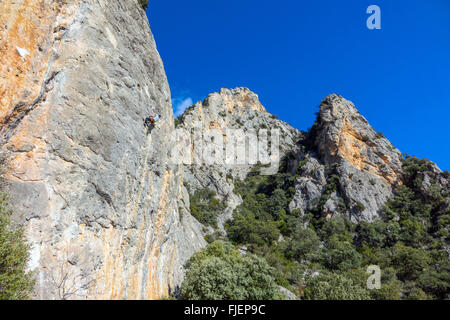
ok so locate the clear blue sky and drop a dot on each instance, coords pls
(293, 53)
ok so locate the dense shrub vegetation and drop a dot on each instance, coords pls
(263, 216)
(220, 272)
(205, 206)
(326, 258)
(15, 282)
(144, 4)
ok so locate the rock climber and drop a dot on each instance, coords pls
(150, 122)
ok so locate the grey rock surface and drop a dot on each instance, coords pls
(288, 294)
(98, 196)
(309, 185)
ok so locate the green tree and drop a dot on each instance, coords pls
(304, 245)
(220, 272)
(144, 4)
(246, 229)
(373, 234)
(277, 203)
(338, 227)
(15, 282)
(418, 294)
(436, 278)
(410, 262)
(334, 286)
(391, 287)
(341, 255)
(205, 207)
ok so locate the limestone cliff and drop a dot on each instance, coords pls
(343, 144)
(98, 196)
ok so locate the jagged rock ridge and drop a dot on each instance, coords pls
(342, 143)
(237, 108)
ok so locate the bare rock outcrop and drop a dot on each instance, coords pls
(343, 144)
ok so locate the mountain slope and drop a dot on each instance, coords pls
(341, 143)
(342, 199)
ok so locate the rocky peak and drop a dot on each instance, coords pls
(237, 108)
(235, 100)
(342, 143)
(344, 135)
(228, 108)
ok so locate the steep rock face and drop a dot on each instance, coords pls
(99, 197)
(366, 164)
(235, 109)
(345, 135)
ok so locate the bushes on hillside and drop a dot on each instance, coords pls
(319, 257)
(304, 245)
(341, 255)
(220, 272)
(334, 287)
(205, 207)
(408, 243)
(264, 213)
(247, 229)
(15, 282)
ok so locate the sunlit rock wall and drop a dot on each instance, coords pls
(98, 196)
